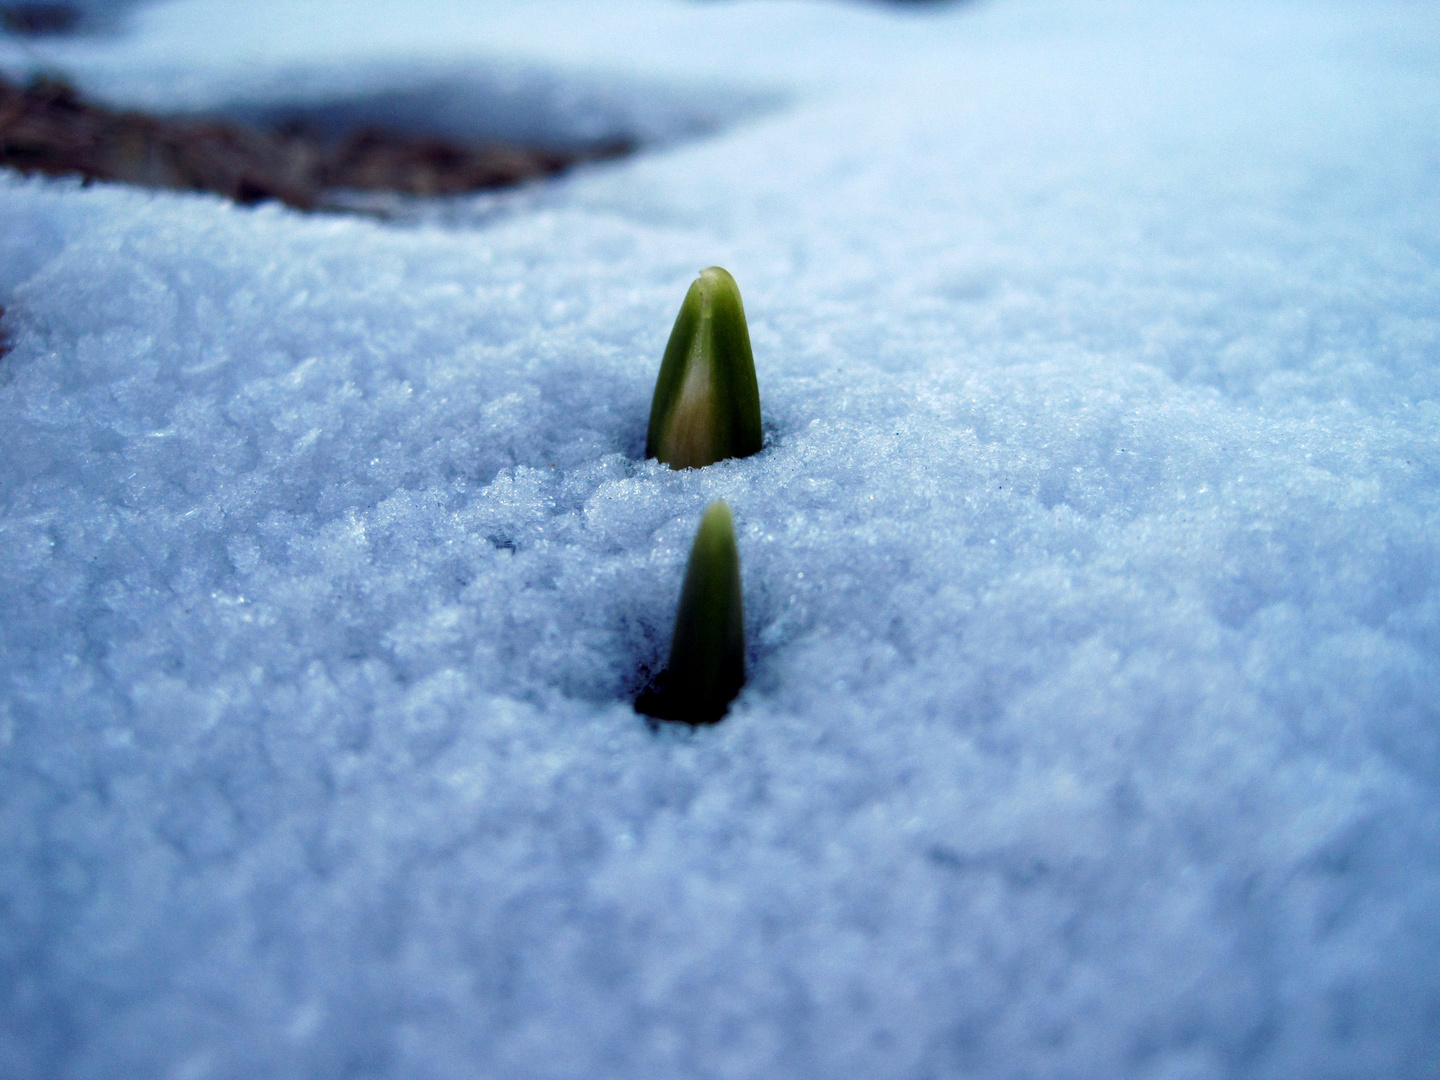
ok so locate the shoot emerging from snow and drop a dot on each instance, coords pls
(707, 402)
(707, 652)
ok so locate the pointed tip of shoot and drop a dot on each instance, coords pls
(707, 653)
(707, 402)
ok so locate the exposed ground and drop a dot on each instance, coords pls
(47, 127)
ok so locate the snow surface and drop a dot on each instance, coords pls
(1091, 564)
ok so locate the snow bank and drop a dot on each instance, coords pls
(1090, 566)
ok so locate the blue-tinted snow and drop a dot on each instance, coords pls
(1092, 567)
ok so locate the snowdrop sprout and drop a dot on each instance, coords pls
(707, 652)
(707, 403)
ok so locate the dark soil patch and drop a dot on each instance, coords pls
(46, 127)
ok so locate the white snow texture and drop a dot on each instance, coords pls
(1092, 563)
